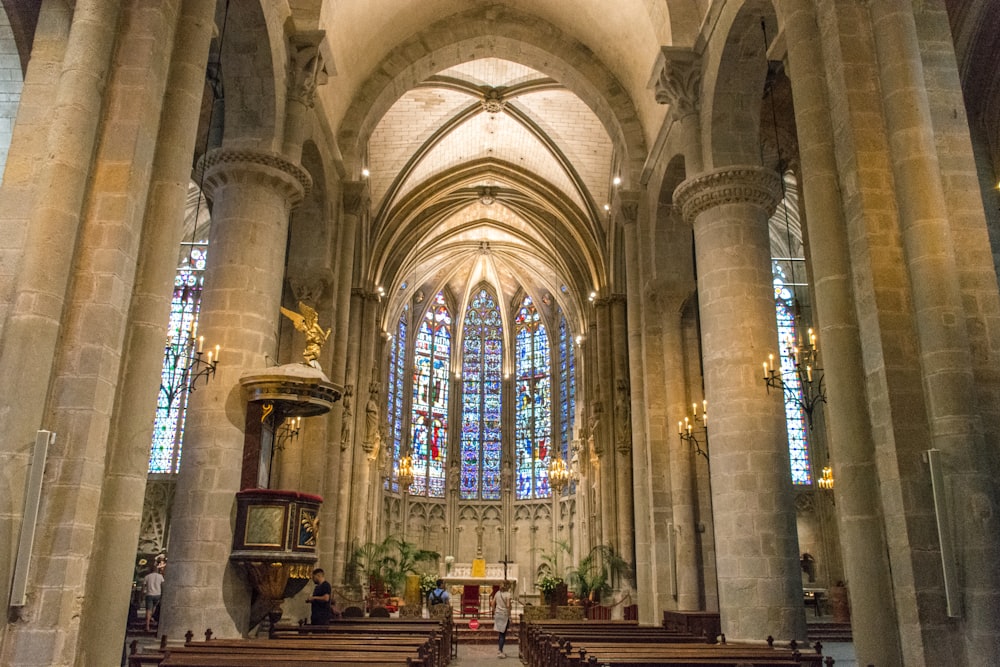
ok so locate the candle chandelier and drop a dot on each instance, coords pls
(694, 426)
(559, 474)
(185, 356)
(798, 375)
(404, 474)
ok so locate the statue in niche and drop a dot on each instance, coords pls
(506, 478)
(454, 477)
(371, 415)
(593, 423)
(347, 417)
(307, 321)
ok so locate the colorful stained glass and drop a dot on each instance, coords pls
(533, 419)
(397, 364)
(431, 382)
(567, 386)
(168, 424)
(482, 363)
(798, 444)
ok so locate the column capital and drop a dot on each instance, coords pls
(628, 202)
(677, 80)
(355, 196)
(743, 184)
(307, 68)
(223, 166)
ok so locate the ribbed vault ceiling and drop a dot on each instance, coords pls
(490, 171)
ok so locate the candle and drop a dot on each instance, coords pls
(694, 409)
(770, 362)
(209, 357)
(765, 369)
(680, 428)
(809, 373)
(218, 354)
(201, 343)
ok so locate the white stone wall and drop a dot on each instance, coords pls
(11, 81)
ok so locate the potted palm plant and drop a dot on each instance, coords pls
(597, 574)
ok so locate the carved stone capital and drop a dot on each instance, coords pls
(628, 201)
(749, 185)
(677, 80)
(224, 166)
(306, 69)
(356, 197)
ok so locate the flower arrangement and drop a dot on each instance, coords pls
(548, 583)
(448, 561)
(428, 582)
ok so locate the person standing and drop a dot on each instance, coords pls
(500, 608)
(322, 613)
(152, 588)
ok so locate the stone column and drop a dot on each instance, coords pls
(50, 234)
(758, 566)
(342, 545)
(253, 194)
(679, 85)
(333, 515)
(368, 432)
(604, 429)
(622, 441)
(119, 518)
(943, 342)
(852, 448)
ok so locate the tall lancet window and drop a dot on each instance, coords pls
(567, 386)
(533, 420)
(792, 306)
(482, 372)
(798, 443)
(429, 433)
(397, 365)
(171, 404)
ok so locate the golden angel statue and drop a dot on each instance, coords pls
(307, 321)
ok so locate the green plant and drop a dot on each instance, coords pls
(551, 565)
(597, 573)
(385, 564)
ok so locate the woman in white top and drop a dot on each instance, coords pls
(500, 608)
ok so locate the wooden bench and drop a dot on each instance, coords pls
(575, 644)
(412, 644)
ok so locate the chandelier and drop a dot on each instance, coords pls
(694, 426)
(559, 474)
(799, 376)
(405, 473)
(826, 480)
(185, 355)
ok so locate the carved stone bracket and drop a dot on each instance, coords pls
(677, 80)
(751, 185)
(629, 203)
(309, 288)
(356, 197)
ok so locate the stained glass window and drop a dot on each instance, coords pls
(567, 386)
(397, 363)
(798, 444)
(533, 403)
(482, 368)
(429, 432)
(168, 425)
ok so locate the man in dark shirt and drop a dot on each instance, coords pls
(320, 599)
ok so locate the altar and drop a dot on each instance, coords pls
(472, 584)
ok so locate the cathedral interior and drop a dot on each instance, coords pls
(471, 277)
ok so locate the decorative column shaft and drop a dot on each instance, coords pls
(333, 516)
(852, 448)
(758, 565)
(622, 441)
(944, 352)
(253, 194)
(604, 429)
(110, 579)
(39, 286)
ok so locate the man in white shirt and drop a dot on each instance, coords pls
(152, 586)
